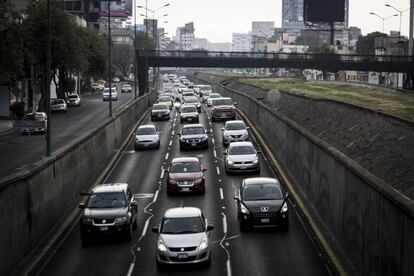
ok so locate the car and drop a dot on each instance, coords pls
(205, 89)
(160, 112)
(109, 209)
(182, 88)
(116, 79)
(97, 87)
(223, 109)
(189, 113)
(165, 100)
(212, 96)
(194, 101)
(197, 88)
(147, 136)
(35, 122)
(185, 175)
(187, 93)
(193, 136)
(241, 157)
(73, 100)
(58, 105)
(262, 202)
(126, 88)
(183, 237)
(170, 94)
(205, 96)
(106, 97)
(234, 131)
(190, 85)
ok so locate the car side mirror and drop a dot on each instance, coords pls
(225, 153)
(81, 205)
(166, 170)
(236, 197)
(247, 127)
(210, 227)
(235, 103)
(84, 193)
(159, 132)
(222, 129)
(134, 203)
(204, 169)
(258, 152)
(155, 229)
(207, 132)
(179, 134)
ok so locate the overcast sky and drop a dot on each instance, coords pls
(216, 20)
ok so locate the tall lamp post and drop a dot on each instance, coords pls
(383, 18)
(399, 11)
(110, 62)
(48, 68)
(135, 51)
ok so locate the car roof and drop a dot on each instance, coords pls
(146, 126)
(260, 180)
(188, 104)
(159, 105)
(110, 187)
(234, 122)
(193, 125)
(238, 144)
(185, 159)
(182, 212)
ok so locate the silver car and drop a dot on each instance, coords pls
(183, 237)
(58, 105)
(234, 131)
(147, 136)
(73, 100)
(211, 97)
(189, 113)
(241, 157)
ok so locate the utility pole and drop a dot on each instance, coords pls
(135, 50)
(110, 62)
(48, 78)
(410, 41)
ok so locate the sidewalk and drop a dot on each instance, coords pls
(6, 126)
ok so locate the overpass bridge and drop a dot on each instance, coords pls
(324, 62)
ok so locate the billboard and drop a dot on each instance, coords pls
(119, 8)
(324, 10)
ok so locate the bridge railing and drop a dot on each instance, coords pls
(279, 56)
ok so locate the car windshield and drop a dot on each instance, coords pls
(159, 107)
(146, 131)
(182, 225)
(235, 126)
(33, 117)
(126, 86)
(265, 191)
(165, 99)
(185, 167)
(106, 90)
(218, 102)
(188, 109)
(205, 88)
(57, 102)
(241, 150)
(191, 100)
(73, 96)
(107, 200)
(214, 95)
(192, 130)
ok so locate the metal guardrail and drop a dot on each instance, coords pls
(279, 56)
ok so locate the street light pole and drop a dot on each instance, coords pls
(399, 11)
(48, 68)
(135, 50)
(110, 62)
(383, 19)
(410, 39)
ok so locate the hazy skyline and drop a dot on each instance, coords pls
(217, 20)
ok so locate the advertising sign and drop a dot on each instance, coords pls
(119, 8)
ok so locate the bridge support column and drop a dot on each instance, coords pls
(142, 76)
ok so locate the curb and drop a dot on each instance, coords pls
(34, 262)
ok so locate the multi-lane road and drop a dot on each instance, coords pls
(18, 151)
(257, 252)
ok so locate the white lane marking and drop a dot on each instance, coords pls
(172, 133)
(221, 194)
(215, 153)
(144, 231)
(166, 156)
(228, 265)
(162, 174)
(209, 123)
(131, 268)
(170, 143)
(155, 196)
(218, 170)
(211, 130)
(212, 140)
(224, 223)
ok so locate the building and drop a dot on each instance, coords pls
(185, 36)
(263, 28)
(86, 9)
(200, 43)
(219, 47)
(151, 25)
(241, 42)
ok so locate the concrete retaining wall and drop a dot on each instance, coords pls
(32, 203)
(372, 223)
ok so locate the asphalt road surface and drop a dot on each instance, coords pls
(257, 252)
(18, 152)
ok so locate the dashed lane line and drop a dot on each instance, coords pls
(221, 194)
(170, 143)
(167, 155)
(218, 170)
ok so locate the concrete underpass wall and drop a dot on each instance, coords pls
(372, 223)
(36, 201)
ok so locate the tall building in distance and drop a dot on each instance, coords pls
(86, 9)
(263, 28)
(241, 42)
(185, 36)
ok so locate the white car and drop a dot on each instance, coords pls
(58, 105)
(189, 113)
(205, 96)
(126, 88)
(234, 131)
(114, 94)
(73, 100)
(35, 122)
(211, 97)
(241, 157)
(147, 136)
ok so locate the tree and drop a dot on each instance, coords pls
(144, 42)
(366, 44)
(323, 48)
(11, 46)
(123, 57)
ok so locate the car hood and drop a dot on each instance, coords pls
(242, 158)
(193, 136)
(255, 206)
(105, 212)
(146, 137)
(183, 240)
(235, 132)
(189, 114)
(223, 107)
(160, 111)
(186, 176)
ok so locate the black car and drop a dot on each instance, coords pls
(160, 112)
(109, 209)
(262, 202)
(193, 136)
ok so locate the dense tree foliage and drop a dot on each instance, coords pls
(366, 44)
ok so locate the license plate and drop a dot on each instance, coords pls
(185, 189)
(104, 228)
(243, 168)
(159, 115)
(193, 144)
(190, 119)
(265, 220)
(182, 255)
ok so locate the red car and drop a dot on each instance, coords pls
(186, 174)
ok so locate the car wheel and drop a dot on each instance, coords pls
(206, 147)
(160, 266)
(181, 121)
(213, 119)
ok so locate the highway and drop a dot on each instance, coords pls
(19, 151)
(257, 252)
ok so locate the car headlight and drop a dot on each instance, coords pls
(203, 245)
(205, 137)
(245, 135)
(229, 162)
(243, 209)
(121, 219)
(86, 220)
(198, 181)
(172, 181)
(161, 247)
(255, 161)
(284, 208)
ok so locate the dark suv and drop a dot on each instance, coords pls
(261, 202)
(110, 208)
(193, 136)
(223, 109)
